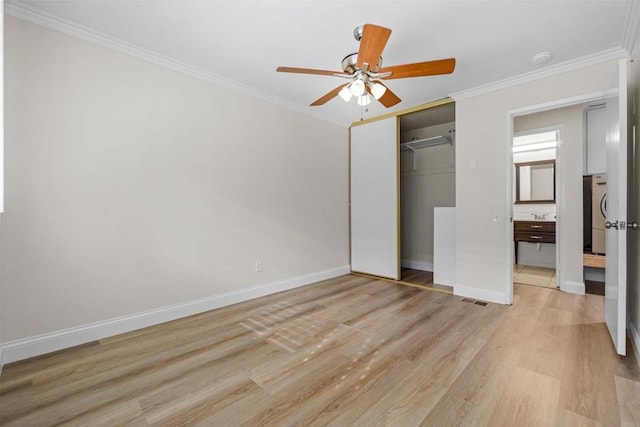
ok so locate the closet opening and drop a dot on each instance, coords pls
(427, 197)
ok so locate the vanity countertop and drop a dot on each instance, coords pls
(549, 218)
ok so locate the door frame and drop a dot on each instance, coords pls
(510, 115)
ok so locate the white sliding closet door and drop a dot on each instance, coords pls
(375, 230)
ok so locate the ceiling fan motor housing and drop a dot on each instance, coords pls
(349, 64)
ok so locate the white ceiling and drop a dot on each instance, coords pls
(244, 41)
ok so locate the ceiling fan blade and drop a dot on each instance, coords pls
(374, 39)
(308, 71)
(419, 69)
(388, 99)
(329, 96)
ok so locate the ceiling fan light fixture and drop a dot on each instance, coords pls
(345, 94)
(377, 90)
(357, 88)
(364, 100)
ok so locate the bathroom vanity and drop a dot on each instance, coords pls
(533, 231)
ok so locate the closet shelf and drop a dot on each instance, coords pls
(425, 142)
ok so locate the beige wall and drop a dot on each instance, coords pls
(131, 187)
(570, 233)
(432, 184)
(482, 266)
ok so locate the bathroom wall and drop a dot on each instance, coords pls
(431, 184)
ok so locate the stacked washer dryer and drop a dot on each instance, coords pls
(598, 212)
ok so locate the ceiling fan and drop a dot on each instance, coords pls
(364, 70)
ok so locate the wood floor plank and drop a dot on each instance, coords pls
(126, 413)
(628, 394)
(301, 370)
(346, 351)
(549, 341)
(475, 393)
(530, 399)
(232, 409)
(361, 391)
(411, 401)
(588, 384)
(568, 418)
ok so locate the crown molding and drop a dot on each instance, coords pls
(52, 22)
(575, 64)
(631, 26)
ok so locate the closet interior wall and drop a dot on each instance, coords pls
(427, 180)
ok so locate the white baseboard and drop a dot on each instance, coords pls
(574, 287)
(418, 265)
(480, 294)
(635, 341)
(46, 343)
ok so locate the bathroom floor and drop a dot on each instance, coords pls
(535, 276)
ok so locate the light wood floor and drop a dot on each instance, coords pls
(348, 351)
(422, 278)
(536, 276)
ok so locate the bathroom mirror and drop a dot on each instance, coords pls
(536, 182)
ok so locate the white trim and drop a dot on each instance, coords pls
(631, 26)
(575, 64)
(510, 255)
(53, 341)
(561, 103)
(574, 287)
(1, 115)
(44, 19)
(418, 265)
(561, 206)
(480, 294)
(635, 341)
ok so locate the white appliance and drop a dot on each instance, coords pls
(598, 212)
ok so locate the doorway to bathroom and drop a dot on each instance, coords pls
(560, 155)
(534, 202)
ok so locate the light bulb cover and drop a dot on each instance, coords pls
(377, 90)
(345, 93)
(364, 100)
(357, 88)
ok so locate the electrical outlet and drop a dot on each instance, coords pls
(258, 266)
